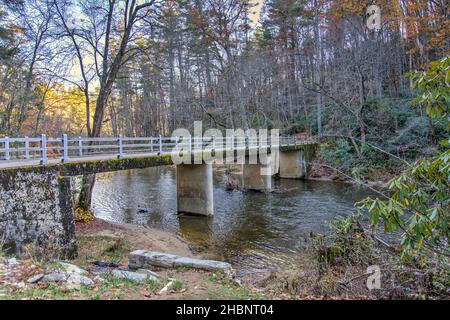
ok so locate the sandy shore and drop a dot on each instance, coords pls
(139, 237)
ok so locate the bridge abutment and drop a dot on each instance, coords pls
(293, 164)
(36, 210)
(195, 189)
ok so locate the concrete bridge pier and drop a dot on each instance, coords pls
(195, 189)
(293, 164)
(258, 177)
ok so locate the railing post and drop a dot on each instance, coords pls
(7, 154)
(65, 148)
(160, 144)
(120, 141)
(190, 144)
(214, 142)
(27, 148)
(80, 146)
(44, 159)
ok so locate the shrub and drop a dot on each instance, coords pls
(419, 198)
(338, 154)
(349, 244)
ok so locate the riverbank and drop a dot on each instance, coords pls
(377, 179)
(321, 273)
(96, 238)
(109, 243)
(303, 281)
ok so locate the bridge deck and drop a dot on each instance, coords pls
(111, 162)
(91, 155)
(57, 161)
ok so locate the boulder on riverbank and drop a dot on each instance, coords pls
(134, 276)
(142, 259)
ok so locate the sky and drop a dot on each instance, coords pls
(254, 16)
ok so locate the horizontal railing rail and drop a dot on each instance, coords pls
(66, 148)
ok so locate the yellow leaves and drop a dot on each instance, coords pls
(83, 216)
(420, 244)
(63, 107)
(346, 8)
(416, 5)
(141, 42)
(17, 29)
(391, 12)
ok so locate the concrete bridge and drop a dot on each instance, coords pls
(36, 205)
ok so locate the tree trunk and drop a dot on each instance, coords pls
(432, 131)
(360, 119)
(318, 67)
(85, 197)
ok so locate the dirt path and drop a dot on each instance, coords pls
(139, 238)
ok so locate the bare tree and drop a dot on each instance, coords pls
(102, 24)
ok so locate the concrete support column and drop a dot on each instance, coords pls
(257, 177)
(293, 164)
(195, 189)
(275, 159)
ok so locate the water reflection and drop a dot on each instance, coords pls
(255, 231)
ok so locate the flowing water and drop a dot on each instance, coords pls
(253, 231)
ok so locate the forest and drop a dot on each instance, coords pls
(373, 88)
(120, 67)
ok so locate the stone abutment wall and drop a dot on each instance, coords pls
(36, 211)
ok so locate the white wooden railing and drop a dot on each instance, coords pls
(67, 148)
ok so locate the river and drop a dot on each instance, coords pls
(254, 231)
